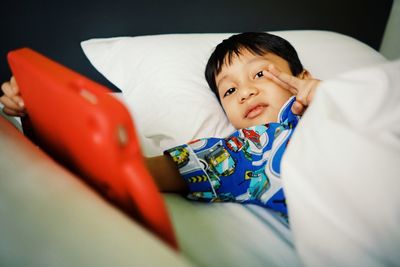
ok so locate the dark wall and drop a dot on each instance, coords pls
(56, 28)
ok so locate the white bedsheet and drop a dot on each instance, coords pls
(341, 171)
(231, 234)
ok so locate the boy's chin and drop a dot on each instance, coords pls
(265, 119)
(261, 120)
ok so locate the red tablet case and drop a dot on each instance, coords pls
(85, 128)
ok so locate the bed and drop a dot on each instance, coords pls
(49, 217)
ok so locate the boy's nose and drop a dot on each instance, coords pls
(247, 92)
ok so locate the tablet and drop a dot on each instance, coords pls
(86, 129)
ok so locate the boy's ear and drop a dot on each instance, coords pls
(305, 75)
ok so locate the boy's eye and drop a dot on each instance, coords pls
(229, 91)
(259, 74)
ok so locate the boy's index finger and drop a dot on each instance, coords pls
(284, 85)
(14, 85)
(290, 80)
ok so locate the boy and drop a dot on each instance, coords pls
(263, 88)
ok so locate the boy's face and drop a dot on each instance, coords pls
(247, 96)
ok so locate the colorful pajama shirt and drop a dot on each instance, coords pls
(245, 167)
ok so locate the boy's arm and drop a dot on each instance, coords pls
(166, 174)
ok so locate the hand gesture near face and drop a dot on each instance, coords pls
(303, 87)
(12, 101)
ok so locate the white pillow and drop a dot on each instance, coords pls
(162, 78)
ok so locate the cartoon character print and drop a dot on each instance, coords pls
(214, 179)
(250, 141)
(259, 183)
(253, 137)
(204, 174)
(238, 144)
(210, 197)
(221, 167)
(235, 143)
(204, 196)
(256, 139)
(220, 161)
(180, 155)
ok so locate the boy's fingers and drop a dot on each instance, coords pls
(11, 93)
(281, 83)
(10, 104)
(7, 89)
(302, 96)
(20, 102)
(284, 77)
(11, 112)
(306, 95)
(14, 85)
(313, 91)
(298, 108)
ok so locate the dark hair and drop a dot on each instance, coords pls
(258, 43)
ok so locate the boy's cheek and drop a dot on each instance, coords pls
(225, 106)
(235, 119)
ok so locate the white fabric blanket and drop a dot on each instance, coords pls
(341, 171)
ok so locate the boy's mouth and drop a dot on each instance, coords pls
(254, 111)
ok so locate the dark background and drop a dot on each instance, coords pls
(56, 28)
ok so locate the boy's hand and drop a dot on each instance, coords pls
(12, 101)
(304, 89)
